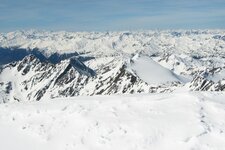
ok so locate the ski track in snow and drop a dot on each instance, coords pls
(179, 120)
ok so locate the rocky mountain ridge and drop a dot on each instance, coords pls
(116, 63)
(34, 80)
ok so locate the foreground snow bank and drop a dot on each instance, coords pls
(136, 122)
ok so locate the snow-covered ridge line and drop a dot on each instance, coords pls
(109, 43)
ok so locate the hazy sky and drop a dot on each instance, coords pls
(102, 15)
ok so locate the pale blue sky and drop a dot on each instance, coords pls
(102, 15)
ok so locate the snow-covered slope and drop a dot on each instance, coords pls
(152, 72)
(184, 121)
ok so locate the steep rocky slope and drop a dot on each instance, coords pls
(31, 79)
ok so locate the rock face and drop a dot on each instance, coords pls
(201, 84)
(209, 80)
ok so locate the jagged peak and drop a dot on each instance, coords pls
(30, 59)
(77, 65)
(81, 67)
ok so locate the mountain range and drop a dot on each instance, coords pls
(38, 65)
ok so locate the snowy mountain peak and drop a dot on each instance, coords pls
(66, 64)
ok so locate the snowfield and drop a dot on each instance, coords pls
(175, 121)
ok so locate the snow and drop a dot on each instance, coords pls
(152, 72)
(179, 120)
(218, 76)
(109, 43)
(167, 121)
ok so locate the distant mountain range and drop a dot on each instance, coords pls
(38, 64)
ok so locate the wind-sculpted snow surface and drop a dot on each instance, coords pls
(67, 64)
(172, 121)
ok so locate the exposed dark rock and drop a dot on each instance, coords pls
(8, 87)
